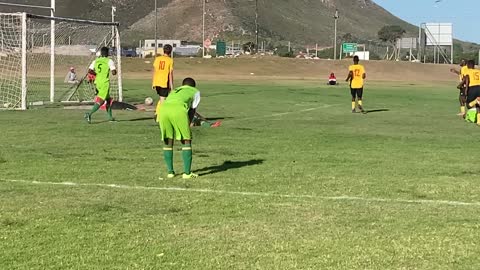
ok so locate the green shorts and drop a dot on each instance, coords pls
(103, 91)
(174, 124)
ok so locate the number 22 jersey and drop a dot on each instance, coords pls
(357, 80)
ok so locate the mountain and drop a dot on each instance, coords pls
(303, 22)
(298, 21)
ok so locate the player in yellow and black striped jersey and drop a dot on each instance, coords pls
(462, 97)
(471, 81)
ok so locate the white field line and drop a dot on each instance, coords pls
(250, 194)
(282, 113)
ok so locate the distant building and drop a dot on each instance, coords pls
(149, 44)
(179, 48)
(148, 48)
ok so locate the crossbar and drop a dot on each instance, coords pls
(62, 19)
(22, 5)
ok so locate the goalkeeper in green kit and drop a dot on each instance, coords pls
(101, 67)
(176, 115)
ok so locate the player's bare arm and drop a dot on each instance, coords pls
(191, 114)
(364, 76)
(350, 76)
(170, 78)
(199, 116)
(465, 81)
(455, 71)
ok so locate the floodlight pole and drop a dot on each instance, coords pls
(335, 38)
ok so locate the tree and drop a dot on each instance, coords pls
(348, 37)
(391, 33)
(283, 51)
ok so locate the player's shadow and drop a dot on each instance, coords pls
(228, 165)
(377, 110)
(217, 118)
(150, 118)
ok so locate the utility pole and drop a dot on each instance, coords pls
(256, 26)
(156, 22)
(203, 29)
(335, 38)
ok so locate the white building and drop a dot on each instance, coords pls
(148, 48)
(149, 44)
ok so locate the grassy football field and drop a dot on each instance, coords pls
(291, 180)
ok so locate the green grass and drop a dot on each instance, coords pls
(277, 139)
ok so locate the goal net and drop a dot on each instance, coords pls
(36, 69)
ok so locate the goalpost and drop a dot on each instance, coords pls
(33, 71)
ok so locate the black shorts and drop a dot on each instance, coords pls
(163, 92)
(473, 93)
(356, 92)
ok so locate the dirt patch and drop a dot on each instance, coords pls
(274, 68)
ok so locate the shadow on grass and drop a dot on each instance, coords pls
(377, 110)
(150, 118)
(217, 118)
(228, 165)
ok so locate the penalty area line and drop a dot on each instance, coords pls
(250, 194)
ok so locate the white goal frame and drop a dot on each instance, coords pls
(24, 17)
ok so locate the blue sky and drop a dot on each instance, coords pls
(459, 12)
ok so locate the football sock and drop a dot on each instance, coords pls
(462, 109)
(478, 119)
(187, 158)
(168, 156)
(157, 110)
(353, 105)
(360, 103)
(472, 104)
(95, 108)
(109, 112)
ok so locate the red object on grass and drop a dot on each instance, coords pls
(216, 124)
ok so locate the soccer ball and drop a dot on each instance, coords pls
(148, 101)
(7, 105)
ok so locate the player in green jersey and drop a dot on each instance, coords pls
(101, 67)
(177, 113)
